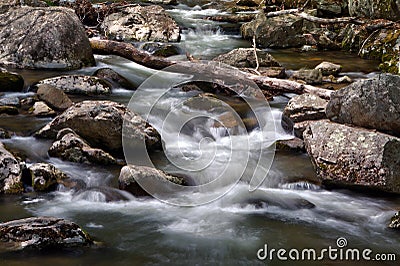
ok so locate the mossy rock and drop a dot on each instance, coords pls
(10, 81)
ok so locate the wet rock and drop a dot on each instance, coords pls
(50, 37)
(10, 173)
(45, 177)
(54, 97)
(277, 32)
(129, 175)
(303, 108)
(41, 233)
(331, 8)
(349, 156)
(395, 221)
(250, 3)
(372, 103)
(4, 134)
(295, 144)
(160, 49)
(5, 5)
(352, 37)
(77, 84)
(71, 147)
(41, 109)
(344, 79)
(384, 46)
(9, 110)
(141, 23)
(387, 9)
(100, 124)
(273, 72)
(10, 81)
(10, 101)
(115, 79)
(244, 57)
(328, 68)
(310, 76)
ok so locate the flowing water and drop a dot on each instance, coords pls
(289, 210)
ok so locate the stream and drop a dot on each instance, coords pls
(228, 231)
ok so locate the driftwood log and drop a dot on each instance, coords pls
(271, 86)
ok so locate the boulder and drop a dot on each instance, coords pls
(45, 177)
(69, 146)
(277, 32)
(395, 221)
(273, 72)
(372, 103)
(375, 9)
(10, 173)
(78, 84)
(355, 157)
(141, 23)
(328, 68)
(10, 81)
(53, 97)
(244, 57)
(385, 47)
(41, 109)
(115, 79)
(100, 124)
(43, 37)
(331, 8)
(41, 233)
(129, 175)
(310, 76)
(302, 109)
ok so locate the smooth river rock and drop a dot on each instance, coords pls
(43, 37)
(78, 84)
(100, 124)
(10, 173)
(41, 233)
(372, 103)
(53, 97)
(141, 23)
(129, 175)
(350, 156)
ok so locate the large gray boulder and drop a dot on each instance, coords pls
(10, 173)
(78, 84)
(43, 37)
(53, 97)
(41, 233)
(244, 57)
(349, 156)
(372, 103)
(130, 174)
(141, 23)
(100, 124)
(387, 9)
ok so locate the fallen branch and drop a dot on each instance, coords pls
(130, 52)
(299, 12)
(271, 86)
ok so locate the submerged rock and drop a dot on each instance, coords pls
(115, 79)
(349, 156)
(129, 175)
(43, 37)
(244, 57)
(54, 97)
(45, 177)
(372, 103)
(141, 23)
(302, 109)
(78, 84)
(71, 147)
(10, 81)
(10, 173)
(395, 221)
(40, 233)
(100, 124)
